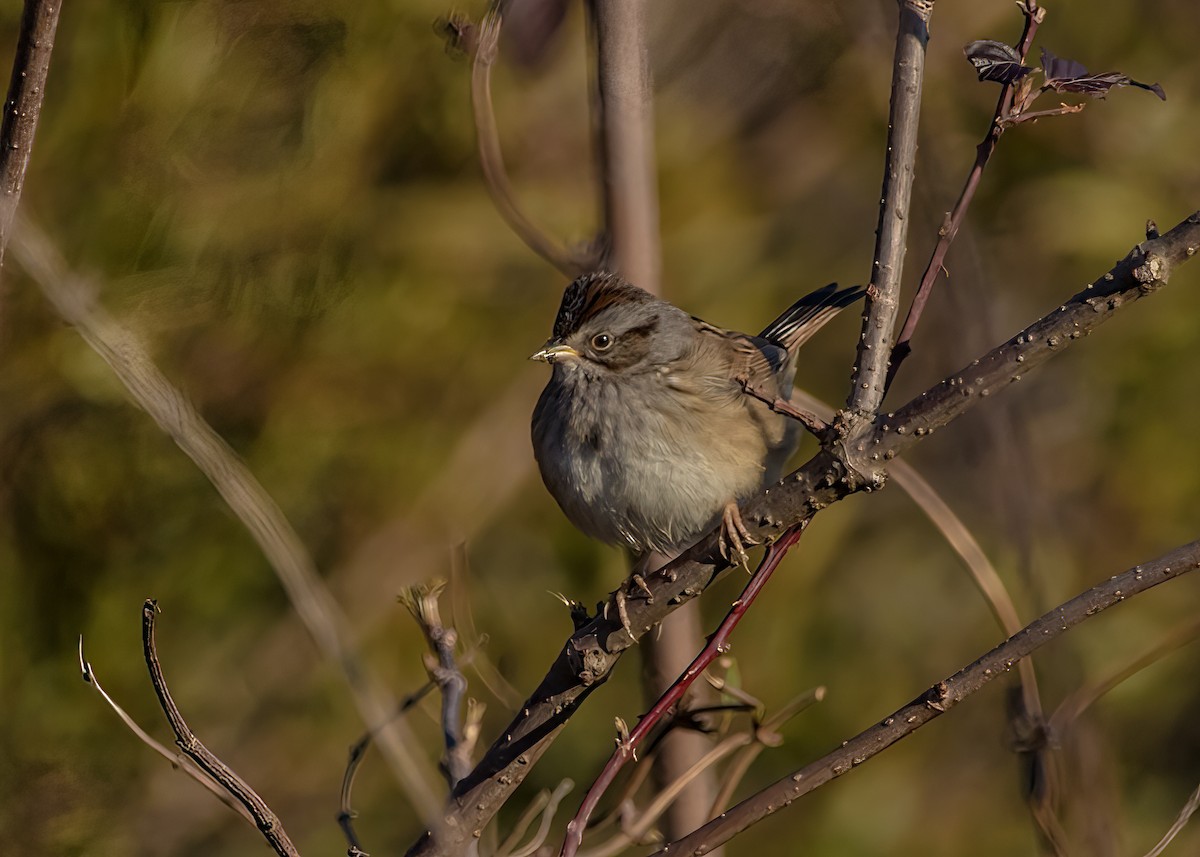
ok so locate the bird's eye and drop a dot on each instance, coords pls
(602, 341)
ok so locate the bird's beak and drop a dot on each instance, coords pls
(550, 353)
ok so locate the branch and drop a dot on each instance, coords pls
(23, 106)
(938, 699)
(264, 819)
(835, 472)
(1185, 814)
(491, 158)
(74, 299)
(186, 764)
(883, 294)
(625, 119)
(346, 813)
(1034, 15)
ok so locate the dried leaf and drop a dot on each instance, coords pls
(1063, 75)
(996, 61)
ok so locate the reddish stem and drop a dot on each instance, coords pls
(983, 153)
(717, 645)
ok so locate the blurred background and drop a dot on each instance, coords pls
(282, 200)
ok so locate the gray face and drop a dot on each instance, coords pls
(607, 325)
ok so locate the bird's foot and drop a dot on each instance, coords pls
(734, 536)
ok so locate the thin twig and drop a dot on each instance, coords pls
(264, 818)
(941, 697)
(717, 645)
(491, 158)
(983, 153)
(883, 294)
(1075, 704)
(634, 832)
(73, 297)
(23, 105)
(358, 751)
(464, 620)
(175, 758)
(560, 792)
(422, 602)
(1185, 814)
(764, 737)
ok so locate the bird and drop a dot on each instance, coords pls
(646, 435)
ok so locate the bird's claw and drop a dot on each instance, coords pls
(734, 536)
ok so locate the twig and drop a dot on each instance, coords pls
(1075, 704)
(765, 735)
(464, 620)
(422, 602)
(1185, 814)
(23, 105)
(188, 766)
(358, 751)
(717, 645)
(635, 831)
(815, 425)
(264, 819)
(835, 472)
(491, 158)
(983, 153)
(560, 792)
(883, 294)
(73, 298)
(940, 698)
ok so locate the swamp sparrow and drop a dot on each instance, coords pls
(645, 434)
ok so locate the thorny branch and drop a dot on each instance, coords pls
(940, 698)
(717, 643)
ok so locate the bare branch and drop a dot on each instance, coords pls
(422, 602)
(1034, 15)
(175, 758)
(491, 158)
(765, 735)
(1075, 704)
(264, 819)
(73, 297)
(883, 294)
(940, 698)
(1185, 815)
(23, 105)
(358, 751)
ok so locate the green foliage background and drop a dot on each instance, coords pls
(282, 200)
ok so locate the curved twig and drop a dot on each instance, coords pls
(265, 819)
(491, 158)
